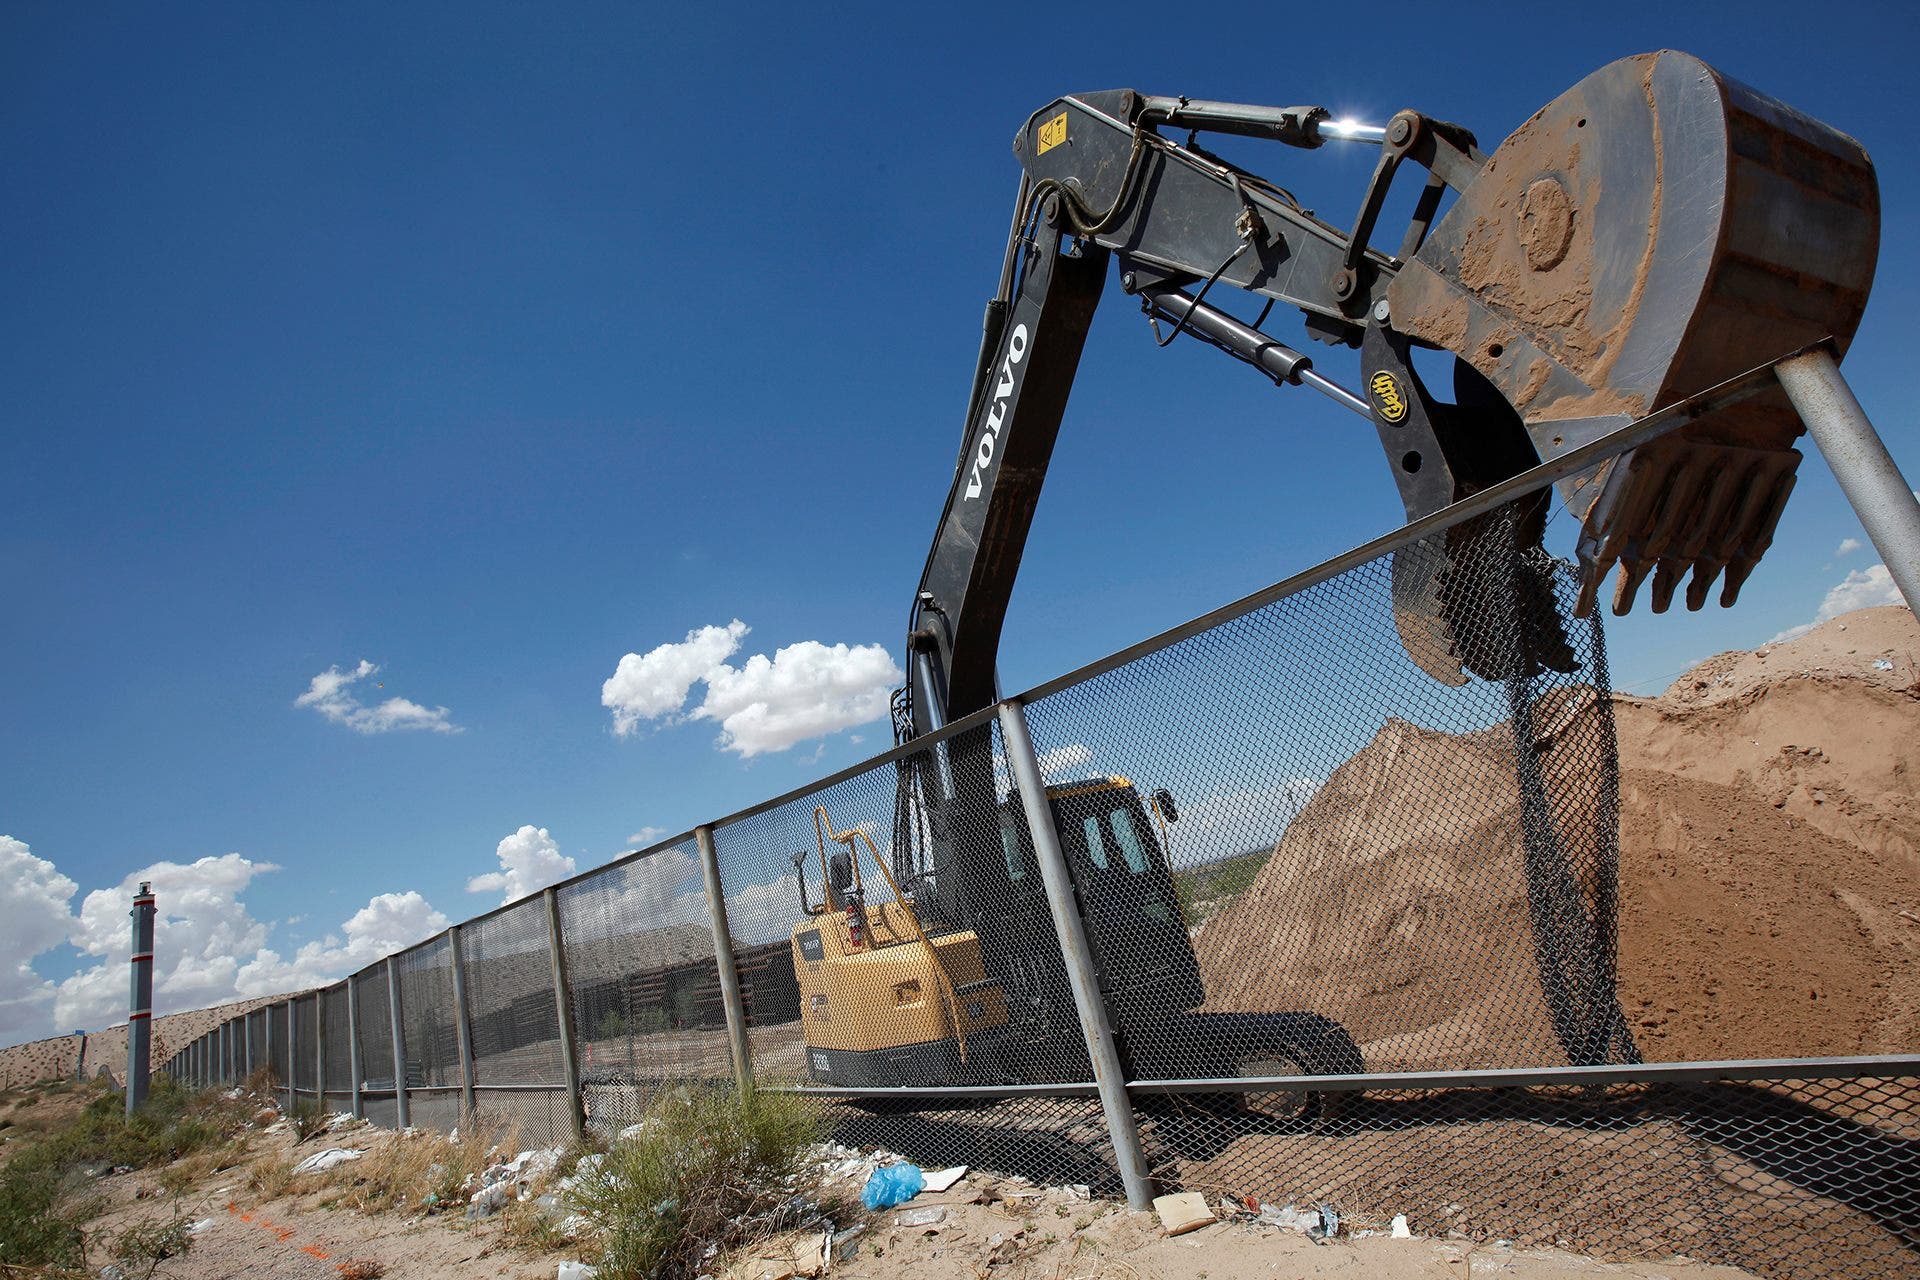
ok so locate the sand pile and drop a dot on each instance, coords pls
(1397, 901)
(1770, 849)
(1769, 881)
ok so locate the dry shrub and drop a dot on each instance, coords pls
(362, 1269)
(423, 1171)
(306, 1119)
(143, 1246)
(710, 1166)
(176, 1178)
(271, 1175)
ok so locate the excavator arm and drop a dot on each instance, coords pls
(1655, 230)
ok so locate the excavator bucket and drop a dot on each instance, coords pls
(1653, 231)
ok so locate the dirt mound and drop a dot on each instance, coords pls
(1397, 901)
(1770, 848)
(1769, 870)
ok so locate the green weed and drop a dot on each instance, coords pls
(709, 1168)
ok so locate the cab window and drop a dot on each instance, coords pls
(1096, 847)
(1016, 860)
(1128, 840)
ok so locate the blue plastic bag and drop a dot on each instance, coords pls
(893, 1184)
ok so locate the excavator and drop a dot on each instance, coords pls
(1653, 232)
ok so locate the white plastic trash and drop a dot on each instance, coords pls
(321, 1161)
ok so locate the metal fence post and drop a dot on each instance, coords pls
(1880, 496)
(246, 1040)
(563, 1008)
(1108, 1076)
(723, 961)
(353, 1046)
(462, 1028)
(266, 1044)
(402, 1112)
(293, 1054)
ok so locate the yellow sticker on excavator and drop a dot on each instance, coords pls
(1387, 396)
(1052, 133)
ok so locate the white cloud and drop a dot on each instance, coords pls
(34, 916)
(330, 693)
(389, 922)
(1056, 761)
(208, 947)
(530, 860)
(655, 684)
(805, 691)
(1862, 589)
(645, 836)
(1848, 546)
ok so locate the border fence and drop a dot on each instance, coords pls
(1273, 914)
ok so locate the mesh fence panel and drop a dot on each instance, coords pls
(1367, 826)
(644, 991)
(276, 1035)
(510, 1003)
(339, 1058)
(250, 1025)
(373, 1016)
(1357, 872)
(306, 1026)
(427, 1014)
(538, 1117)
(437, 1109)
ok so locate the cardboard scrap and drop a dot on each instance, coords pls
(1182, 1213)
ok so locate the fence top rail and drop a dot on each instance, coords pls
(1610, 443)
(1630, 434)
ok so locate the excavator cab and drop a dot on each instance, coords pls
(1127, 898)
(893, 994)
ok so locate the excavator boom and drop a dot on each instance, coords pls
(1651, 232)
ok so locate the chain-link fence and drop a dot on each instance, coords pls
(1313, 900)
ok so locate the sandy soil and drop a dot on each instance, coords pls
(296, 1236)
(988, 1226)
(1769, 871)
(1770, 849)
(1049, 1235)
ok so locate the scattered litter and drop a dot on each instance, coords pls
(1881, 664)
(199, 1226)
(1327, 1228)
(846, 1244)
(1184, 1212)
(893, 1184)
(941, 1179)
(576, 1271)
(489, 1200)
(926, 1217)
(321, 1161)
(1400, 1231)
(1289, 1218)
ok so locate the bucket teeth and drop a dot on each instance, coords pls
(1678, 507)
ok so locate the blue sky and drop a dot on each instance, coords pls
(489, 344)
